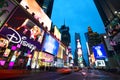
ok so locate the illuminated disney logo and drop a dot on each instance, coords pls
(16, 38)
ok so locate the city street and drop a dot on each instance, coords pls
(91, 75)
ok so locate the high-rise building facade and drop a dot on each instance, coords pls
(78, 60)
(65, 35)
(93, 39)
(109, 11)
(47, 6)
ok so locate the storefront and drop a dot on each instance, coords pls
(20, 38)
(17, 53)
(59, 62)
(45, 59)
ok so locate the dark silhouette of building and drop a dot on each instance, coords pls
(93, 38)
(65, 35)
(109, 11)
(47, 6)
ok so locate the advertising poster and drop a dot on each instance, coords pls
(60, 52)
(22, 31)
(50, 45)
(99, 51)
(6, 7)
(34, 9)
(3, 42)
(57, 33)
(7, 52)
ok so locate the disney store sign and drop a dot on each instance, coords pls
(14, 37)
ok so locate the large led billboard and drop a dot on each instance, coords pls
(21, 29)
(99, 51)
(33, 8)
(6, 7)
(57, 33)
(3, 42)
(61, 51)
(50, 45)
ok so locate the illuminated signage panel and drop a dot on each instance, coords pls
(51, 45)
(99, 51)
(39, 14)
(57, 33)
(20, 29)
(100, 63)
(60, 52)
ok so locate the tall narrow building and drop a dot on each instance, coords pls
(78, 60)
(65, 35)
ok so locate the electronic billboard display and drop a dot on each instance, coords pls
(57, 33)
(50, 45)
(99, 51)
(6, 7)
(34, 9)
(21, 29)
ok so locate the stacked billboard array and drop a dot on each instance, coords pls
(24, 39)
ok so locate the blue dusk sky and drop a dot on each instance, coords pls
(78, 15)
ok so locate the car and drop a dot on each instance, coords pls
(64, 70)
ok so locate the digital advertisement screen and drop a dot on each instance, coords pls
(60, 52)
(3, 42)
(7, 52)
(26, 32)
(33, 8)
(57, 33)
(50, 45)
(6, 7)
(36, 33)
(99, 51)
(47, 57)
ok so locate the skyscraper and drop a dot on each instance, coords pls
(78, 60)
(65, 35)
(93, 39)
(107, 9)
(47, 6)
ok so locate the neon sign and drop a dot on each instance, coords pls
(14, 37)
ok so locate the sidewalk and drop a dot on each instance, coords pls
(4, 74)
